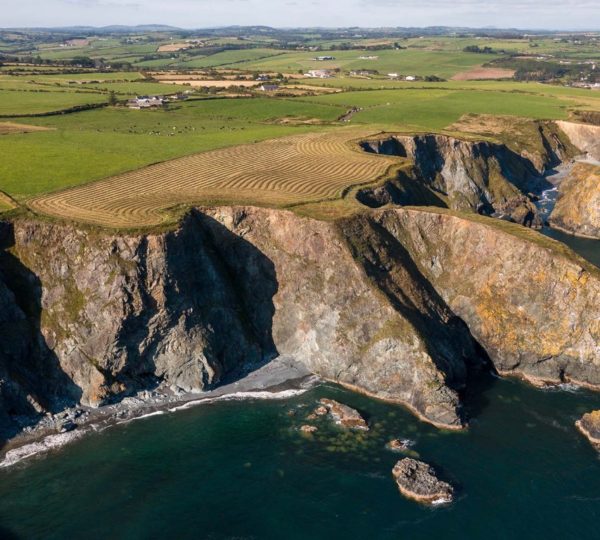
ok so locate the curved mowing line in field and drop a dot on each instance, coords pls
(300, 168)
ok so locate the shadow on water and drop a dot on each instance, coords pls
(31, 370)
(587, 248)
(6, 534)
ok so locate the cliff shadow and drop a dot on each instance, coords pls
(252, 279)
(216, 311)
(447, 338)
(33, 377)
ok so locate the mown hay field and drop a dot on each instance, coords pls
(278, 172)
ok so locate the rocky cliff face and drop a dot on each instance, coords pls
(577, 209)
(532, 304)
(388, 302)
(477, 176)
(586, 137)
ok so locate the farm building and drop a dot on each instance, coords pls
(320, 73)
(324, 58)
(269, 88)
(146, 102)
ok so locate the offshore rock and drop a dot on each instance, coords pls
(345, 416)
(418, 481)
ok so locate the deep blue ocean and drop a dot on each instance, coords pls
(242, 470)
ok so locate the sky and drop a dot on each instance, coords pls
(527, 14)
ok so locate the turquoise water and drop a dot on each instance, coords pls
(241, 470)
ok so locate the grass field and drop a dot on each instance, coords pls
(436, 109)
(408, 62)
(98, 143)
(280, 172)
(114, 166)
(15, 103)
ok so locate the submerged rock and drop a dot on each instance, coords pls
(589, 425)
(345, 416)
(418, 481)
(399, 445)
(306, 428)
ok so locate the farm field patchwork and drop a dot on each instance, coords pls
(98, 143)
(280, 172)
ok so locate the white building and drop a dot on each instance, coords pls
(320, 74)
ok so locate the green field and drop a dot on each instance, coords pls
(241, 59)
(24, 103)
(93, 144)
(98, 143)
(443, 64)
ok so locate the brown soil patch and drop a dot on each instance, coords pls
(173, 47)
(482, 73)
(10, 128)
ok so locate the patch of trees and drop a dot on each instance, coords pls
(480, 50)
(531, 69)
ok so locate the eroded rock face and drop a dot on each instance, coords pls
(344, 415)
(480, 177)
(330, 313)
(117, 313)
(228, 289)
(531, 303)
(393, 303)
(577, 209)
(418, 481)
(589, 425)
(586, 137)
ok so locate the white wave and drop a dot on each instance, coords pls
(284, 394)
(51, 442)
(154, 413)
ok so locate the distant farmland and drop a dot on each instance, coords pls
(295, 169)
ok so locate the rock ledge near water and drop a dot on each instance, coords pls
(345, 416)
(589, 425)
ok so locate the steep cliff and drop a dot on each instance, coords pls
(586, 137)
(396, 303)
(228, 289)
(577, 208)
(531, 303)
(478, 176)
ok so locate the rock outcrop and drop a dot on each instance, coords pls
(577, 209)
(418, 481)
(345, 416)
(478, 176)
(589, 425)
(586, 137)
(532, 304)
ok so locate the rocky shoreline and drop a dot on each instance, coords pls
(589, 425)
(280, 379)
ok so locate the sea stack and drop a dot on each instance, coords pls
(418, 481)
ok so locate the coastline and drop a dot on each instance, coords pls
(281, 378)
